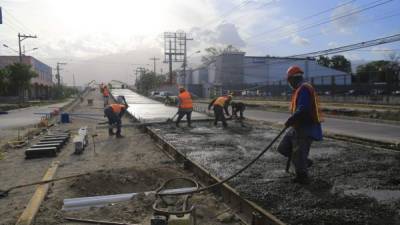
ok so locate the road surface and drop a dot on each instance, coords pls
(362, 129)
(26, 116)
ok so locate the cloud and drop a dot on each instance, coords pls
(228, 34)
(298, 40)
(347, 23)
(333, 44)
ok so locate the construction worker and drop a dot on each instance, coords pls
(106, 95)
(185, 106)
(304, 125)
(238, 107)
(114, 113)
(220, 104)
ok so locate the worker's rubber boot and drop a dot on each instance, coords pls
(118, 135)
(301, 178)
(111, 132)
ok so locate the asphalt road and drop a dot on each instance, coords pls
(26, 116)
(362, 129)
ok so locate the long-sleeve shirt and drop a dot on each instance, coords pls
(302, 117)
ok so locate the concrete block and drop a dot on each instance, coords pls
(40, 152)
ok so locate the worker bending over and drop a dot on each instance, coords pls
(238, 107)
(185, 106)
(220, 104)
(304, 123)
(114, 113)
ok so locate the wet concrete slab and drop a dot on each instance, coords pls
(148, 110)
(351, 184)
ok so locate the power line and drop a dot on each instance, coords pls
(18, 22)
(227, 13)
(302, 19)
(360, 10)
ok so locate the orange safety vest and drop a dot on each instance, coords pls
(315, 109)
(117, 108)
(220, 101)
(185, 100)
(106, 93)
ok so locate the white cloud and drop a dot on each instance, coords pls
(333, 44)
(345, 24)
(297, 40)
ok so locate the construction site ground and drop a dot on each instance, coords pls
(351, 183)
(130, 164)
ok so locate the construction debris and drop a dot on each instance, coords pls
(81, 140)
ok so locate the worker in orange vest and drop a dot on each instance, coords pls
(304, 125)
(185, 105)
(220, 104)
(106, 95)
(114, 113)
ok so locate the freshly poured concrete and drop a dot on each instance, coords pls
(147, 110)
(351, 184)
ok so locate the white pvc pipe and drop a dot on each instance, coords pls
(84, 202)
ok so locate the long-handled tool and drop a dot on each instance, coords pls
(170, 120)
(4, 193)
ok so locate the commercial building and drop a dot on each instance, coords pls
(235, 72)
(40, 85)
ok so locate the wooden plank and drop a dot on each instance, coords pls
(32, 208)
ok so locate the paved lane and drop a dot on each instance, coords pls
(25, 117)
(362, 129)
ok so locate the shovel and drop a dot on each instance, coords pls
(169, 120)
(4, 193)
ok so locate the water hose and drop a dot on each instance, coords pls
(233, 175)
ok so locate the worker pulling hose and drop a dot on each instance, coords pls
(233, 175)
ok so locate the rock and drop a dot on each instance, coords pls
(225, 217)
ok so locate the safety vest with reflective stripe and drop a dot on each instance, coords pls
(117, 108)
(316, 114)
(106, 93)
(185, 100)
(220, 101)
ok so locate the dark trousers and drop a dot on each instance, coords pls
(113, 119)
(182, 113)
(297, 145)
(234, 112)
(219, 115)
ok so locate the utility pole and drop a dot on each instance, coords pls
(185, 57)
(22, 37)
(58, 73)
(154, 63)
(73, 79)
(170, 63)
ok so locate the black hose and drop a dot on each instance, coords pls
(233, 175)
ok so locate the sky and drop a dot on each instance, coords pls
(104, 39)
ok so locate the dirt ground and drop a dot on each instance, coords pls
(351, 184)
(131, 164)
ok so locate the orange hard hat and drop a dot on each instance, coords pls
(294, 71)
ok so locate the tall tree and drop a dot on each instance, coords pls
(20, 76)
(4, 81)
(378, 71)
(337, 62)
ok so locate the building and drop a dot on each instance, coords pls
(235, 72)
(40, 85)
